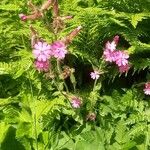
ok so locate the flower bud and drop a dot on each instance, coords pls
(34, 36)
(42, 66)
(66, 17)
(46, 5)
(91, 116)
(66, 72)
(56, 9)
(23, 17)
(32, 6)
(116, 39)
(74, 33)
(58, 24)
(34, 16)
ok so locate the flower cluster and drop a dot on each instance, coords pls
(120, 58)
(43, 51)
(147, 88)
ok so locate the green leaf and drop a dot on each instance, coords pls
(9, 7)
(135, 18)
(4, 128)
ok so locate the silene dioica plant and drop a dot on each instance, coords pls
(52, 107)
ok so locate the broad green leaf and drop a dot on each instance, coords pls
(3, 131)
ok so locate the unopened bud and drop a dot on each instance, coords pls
(32, 6)
(46, 5)
(116, 39)
(70, 37)
(56, 9)
(34, 36)
(91, 116)
(66, 17)
(23, 17)
(66, 72)
(34, 16)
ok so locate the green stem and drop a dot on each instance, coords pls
(66, 86)
(58, 67)
(60, 72)
(99, 68)
(34, 116)
(74, 88)
(62, 92)
(95, 82)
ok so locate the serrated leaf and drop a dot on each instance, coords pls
(135, 18)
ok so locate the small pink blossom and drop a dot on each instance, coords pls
(110, 50)
(59, 49)
(95, 75)
(42, 65)
(23, 17)
(121, 58)
(109, 56)
(76, 102)
(110, 46)
(42, 51)
(123, 69)
(147, 88)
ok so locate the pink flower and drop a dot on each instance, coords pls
(147, 88)
(110, 50)
(42, 65)
(23, 17)
(109, 55)
(94, 75)
(123, 69)
(76, 102)
(121, 58)
(42, 51)
(110, 46)
(59, 50)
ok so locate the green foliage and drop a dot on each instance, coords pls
(35, 109)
